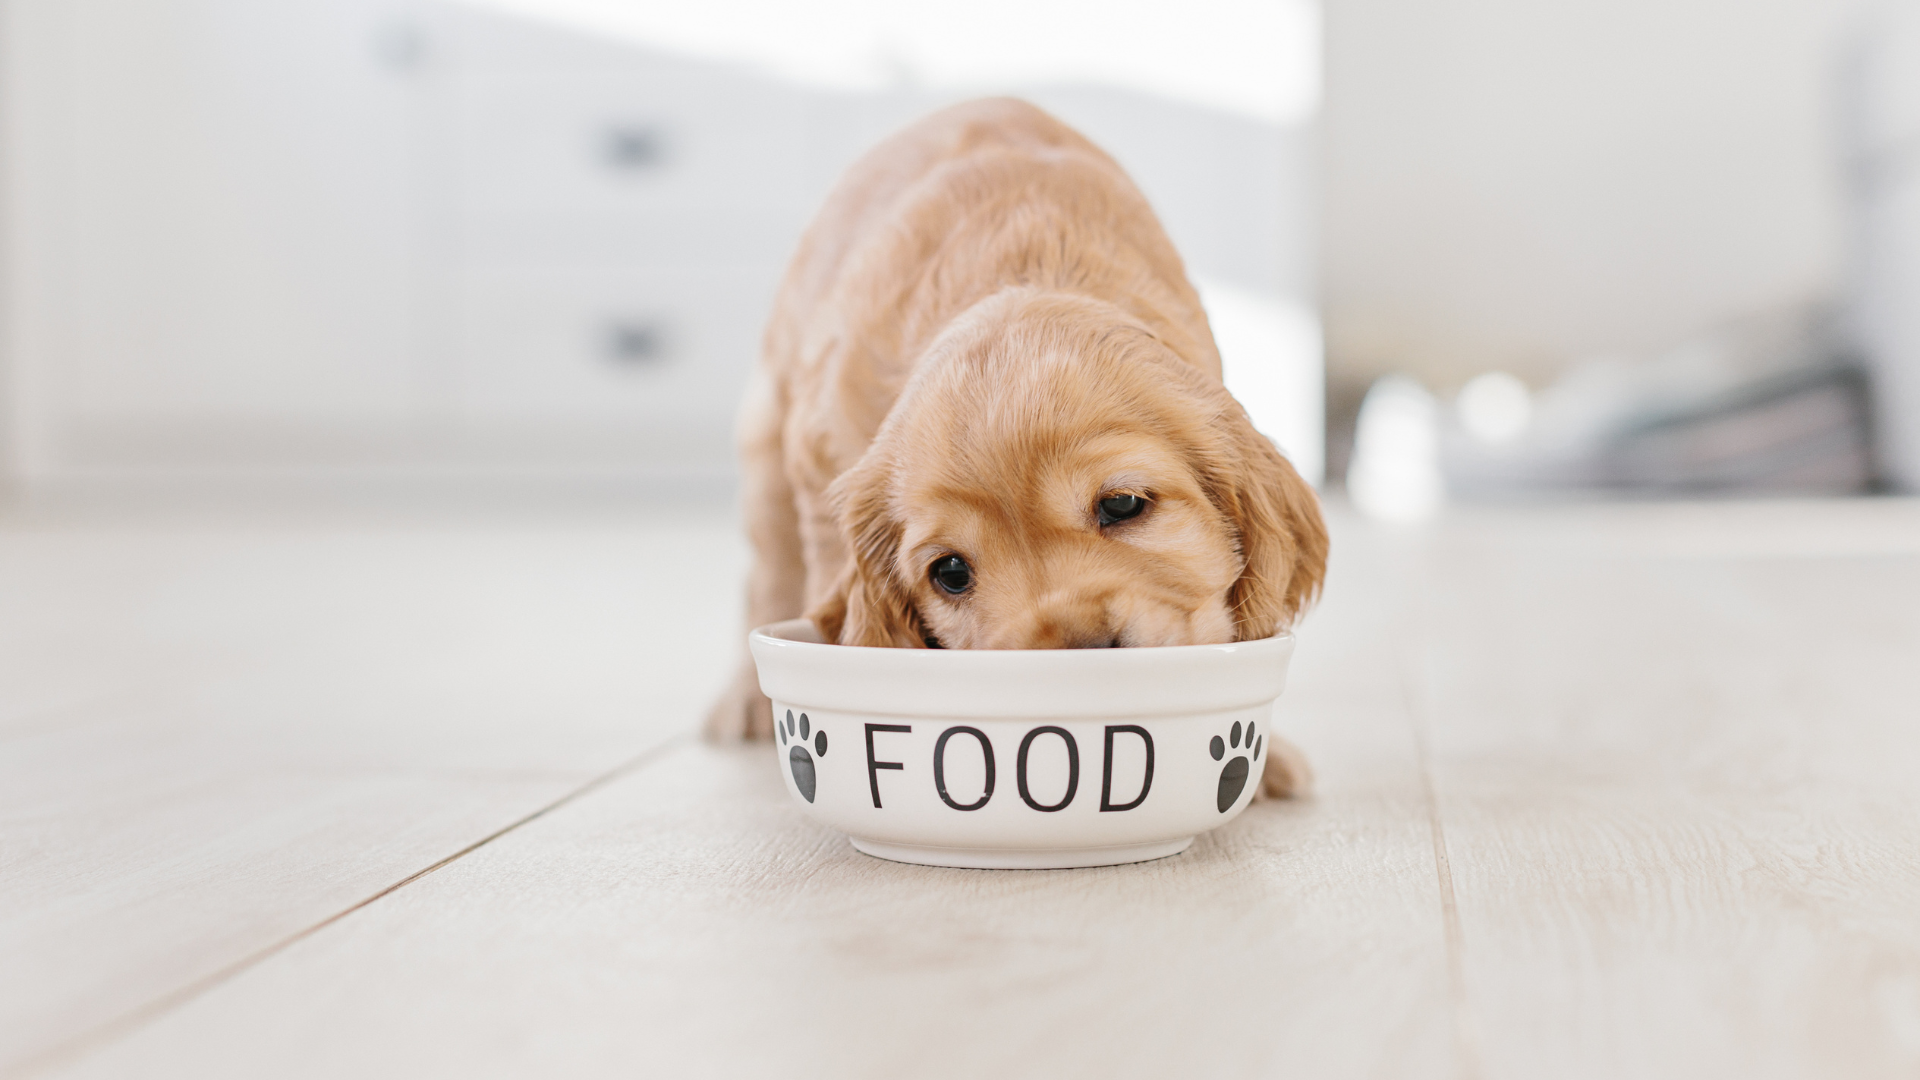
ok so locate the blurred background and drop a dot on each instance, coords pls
(1464, 249)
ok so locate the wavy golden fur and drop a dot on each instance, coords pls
(985, 333)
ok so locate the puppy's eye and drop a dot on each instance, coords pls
(952, 574)
(1120, 507)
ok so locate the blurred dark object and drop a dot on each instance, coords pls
(1774, 405)
(638, 342)
(636, 147)
(1803, 431)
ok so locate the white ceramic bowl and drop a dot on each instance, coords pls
(1028, 758)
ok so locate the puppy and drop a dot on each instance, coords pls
(989, 415)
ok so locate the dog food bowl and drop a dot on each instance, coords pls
(1020, 758)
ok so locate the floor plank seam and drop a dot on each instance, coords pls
(79, 1046)
(1466, 1031)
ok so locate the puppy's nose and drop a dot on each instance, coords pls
(1055, 634)
(1065, 621)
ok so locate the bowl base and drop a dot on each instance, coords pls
(1022, 858)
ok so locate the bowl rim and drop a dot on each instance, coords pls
(797, 669)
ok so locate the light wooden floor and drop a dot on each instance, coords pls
(1607, 792)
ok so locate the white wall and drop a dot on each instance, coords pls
(1518, 183)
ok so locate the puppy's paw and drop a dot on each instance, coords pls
(742, 712)
(1287, 774)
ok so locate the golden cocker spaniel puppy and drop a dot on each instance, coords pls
(989, 415)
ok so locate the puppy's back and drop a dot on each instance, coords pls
(970, 201)
(866, 198)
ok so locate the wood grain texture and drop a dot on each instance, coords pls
(216, 734)
(116, 906)
(687, 920)
(1679, 789)
(1605, 791)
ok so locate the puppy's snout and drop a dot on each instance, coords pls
(1069, 622)
(1059, 638)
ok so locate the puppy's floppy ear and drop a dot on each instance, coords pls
(1282, 536)
(868, 605)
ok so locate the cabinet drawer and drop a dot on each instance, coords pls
(609, 343)
(656, 138)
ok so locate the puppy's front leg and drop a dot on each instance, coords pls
(1287, 775)
(742, 711)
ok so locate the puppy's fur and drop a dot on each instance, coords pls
(984, 334)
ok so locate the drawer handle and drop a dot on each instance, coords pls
(637, 343)
(634, 147)
(401, 46)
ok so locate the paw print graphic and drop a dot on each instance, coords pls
(800, 760)
(1233, 777)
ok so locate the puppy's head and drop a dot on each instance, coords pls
(1054, 477)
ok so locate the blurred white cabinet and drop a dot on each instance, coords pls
(668, 138)
(181, 152)
(413, 237)
(623, 220)
(604, 342)
(335, 235)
